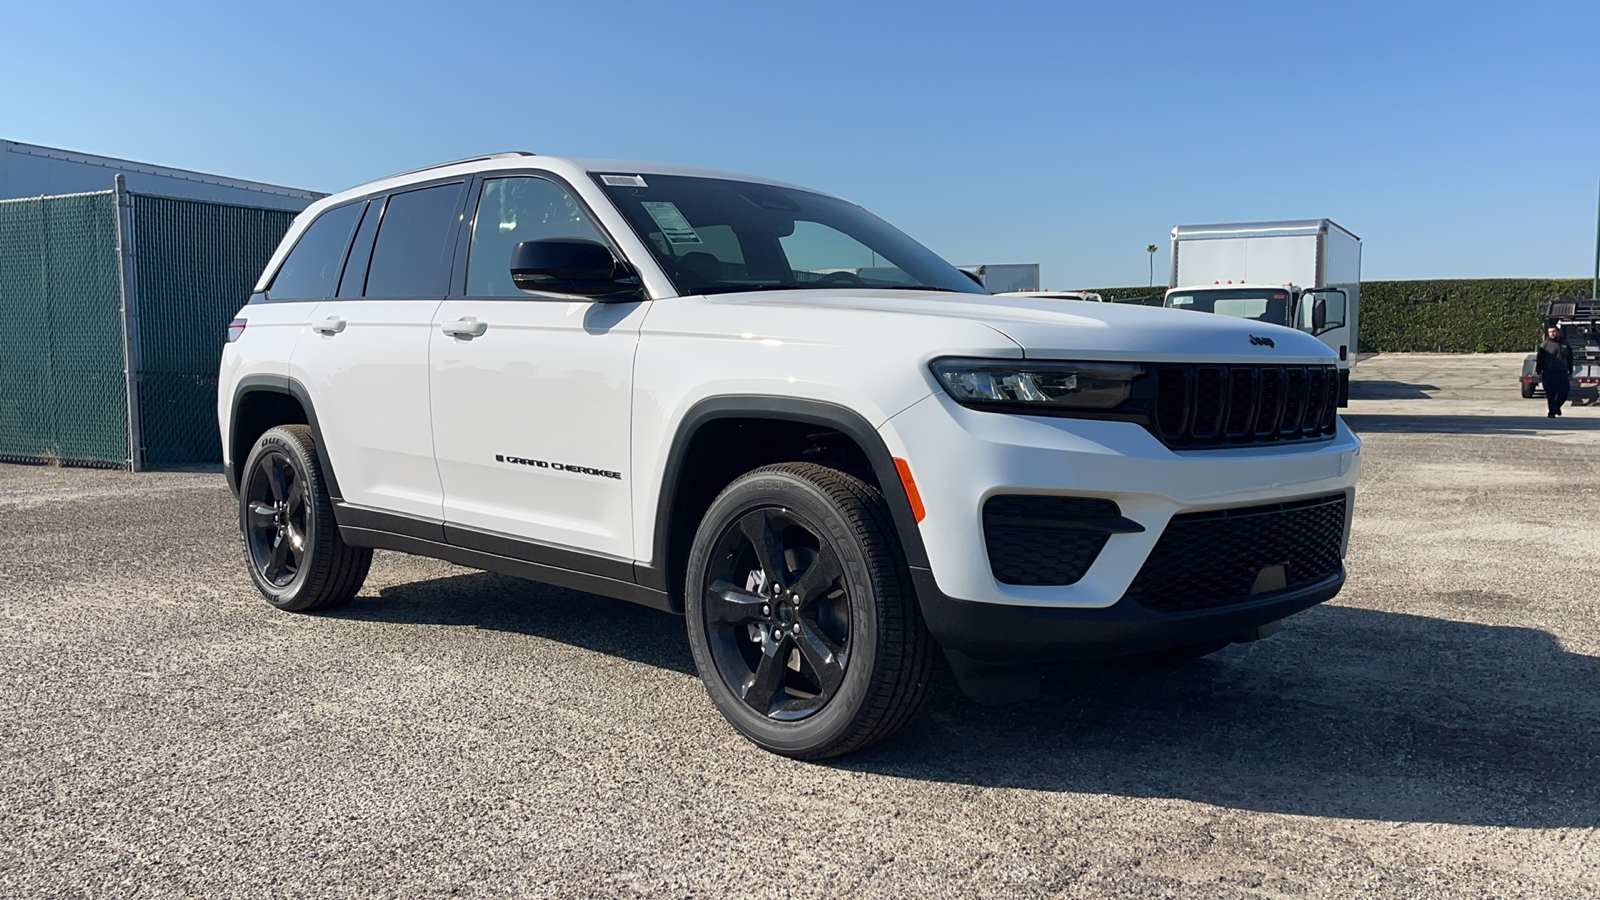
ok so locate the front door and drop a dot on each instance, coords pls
(532, 392)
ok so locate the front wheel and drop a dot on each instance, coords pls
(801, 616)
(291, 542)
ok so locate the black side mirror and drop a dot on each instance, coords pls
(571, 266)
(1319, 315)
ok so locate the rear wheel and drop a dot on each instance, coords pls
(291, 542)
(801, 616)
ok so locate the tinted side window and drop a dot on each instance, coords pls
(412, 256)
(355, 268)
(513, 210)
(313, 265)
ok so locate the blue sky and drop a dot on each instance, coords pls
(1457, 139)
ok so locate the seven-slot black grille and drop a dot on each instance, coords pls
(1046, 540)
(1205, 406)
(1216, 558)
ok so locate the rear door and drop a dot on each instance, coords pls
(531, 413)
(366, 362)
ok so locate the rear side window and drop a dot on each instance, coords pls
(355, 268)
(412, 256)
(312, 268)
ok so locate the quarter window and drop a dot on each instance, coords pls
(412, 255)
(313, 265)
(513, 210)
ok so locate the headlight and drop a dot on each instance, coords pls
(1044, 386)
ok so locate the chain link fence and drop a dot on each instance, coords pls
(194, 265)
(63, 388)
(113, 311)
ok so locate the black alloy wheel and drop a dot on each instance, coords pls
(801, 615)
(275, 518)
(777, 616)
(292, 545)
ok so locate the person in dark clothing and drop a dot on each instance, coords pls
(1554, 365)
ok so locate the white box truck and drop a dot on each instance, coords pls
(1303, 274)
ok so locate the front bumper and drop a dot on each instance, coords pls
(960, 458)
(1029, 635)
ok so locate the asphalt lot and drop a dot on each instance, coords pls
(1431, 732)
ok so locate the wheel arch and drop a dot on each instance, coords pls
(261, 402)
(681, 500)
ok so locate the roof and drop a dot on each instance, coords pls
(1258, 229)
(566, 166)
(31, 170)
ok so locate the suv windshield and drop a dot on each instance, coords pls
(1258, 304)
(717, 236)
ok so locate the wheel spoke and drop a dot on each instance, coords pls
(297, 497)
(826, 658)
(279, 559)
(262, 515)
(278, 479)
(296, 541)
(818, 577)
(757, 527)
(763, 684)
(727, 605)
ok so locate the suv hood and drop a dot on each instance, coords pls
(1066, 329)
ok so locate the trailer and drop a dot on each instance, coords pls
(1579, 321)
(1303, 274)
(1002, 278)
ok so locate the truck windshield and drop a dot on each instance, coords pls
(714, 236)
(1261, 305)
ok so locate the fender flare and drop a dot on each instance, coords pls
(279, 384)
(842, 419)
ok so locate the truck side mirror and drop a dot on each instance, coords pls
(1319, 315)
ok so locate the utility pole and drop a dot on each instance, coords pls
(1594, 291)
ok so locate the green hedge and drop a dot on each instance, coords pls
(1463, 315)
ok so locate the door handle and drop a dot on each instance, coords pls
(330, 325)
(468, 327)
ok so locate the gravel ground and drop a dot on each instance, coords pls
(1431, 732)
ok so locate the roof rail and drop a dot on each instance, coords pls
(510, 154)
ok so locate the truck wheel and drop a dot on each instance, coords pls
(801, 615)
(1527, 389)
(291, 543)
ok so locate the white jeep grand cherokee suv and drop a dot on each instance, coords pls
(764, 408)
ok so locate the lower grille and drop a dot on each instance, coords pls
(1216, 558)
(1046, 540)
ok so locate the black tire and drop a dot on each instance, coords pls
(820, 629)
(1527, 390)
(292, 547)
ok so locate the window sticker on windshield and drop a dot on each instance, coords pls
(674, 227)
(622, 181)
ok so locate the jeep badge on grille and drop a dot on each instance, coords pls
(1262, 341)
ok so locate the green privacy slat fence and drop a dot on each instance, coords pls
(194, 265)
(62, 384)
(63, 348)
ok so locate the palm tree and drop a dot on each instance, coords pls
(1152, 251)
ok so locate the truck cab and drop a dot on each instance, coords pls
(1301, 274)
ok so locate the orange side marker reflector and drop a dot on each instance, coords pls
(904, 468)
